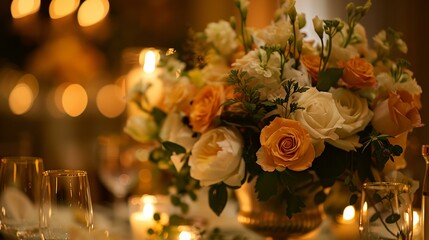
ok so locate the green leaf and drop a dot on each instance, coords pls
(374, 217)
(266, 185)
(377, 198)
(173, 147)
(353, 199)
(392, 218)
(158, 115)
(156, 217)
(218, 197)
(175, 200)
(294, 204)
(320, 197)
(329, 78)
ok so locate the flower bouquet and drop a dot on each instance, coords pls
(241, 104)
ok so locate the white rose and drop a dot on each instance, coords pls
(141, 128)
(216, 157)
(356, 114)
(222, 36)
(320, 117)
(264, 69)
(277, 33)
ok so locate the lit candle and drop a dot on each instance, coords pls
(187, 233)
(348, 216)
(142, 220)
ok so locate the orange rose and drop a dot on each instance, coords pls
(205, 107)
(396, 114)
(358, 73)
(285, 144)
(312, 64)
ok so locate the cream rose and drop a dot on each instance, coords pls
(217, 157)
(285, 144)
(320, 117)
(278, 33)
(178, 96)
(205, 107)
(141, 128)
(396, 114)
(356, 114)
(215, 73)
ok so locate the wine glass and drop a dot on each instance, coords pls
(386, 211)
(66, 207)
(20, 179)
(118, 168)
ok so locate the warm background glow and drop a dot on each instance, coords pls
(111, 101)
(92, 12)
(62, 8)
(22, 8)
(74, 100)
(20, 99)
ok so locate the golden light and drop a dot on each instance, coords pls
(92, 12)
(111, 101)
(58, 96)
(22, 8)
(20, 99)
(416, 218)
(149, 58)
(349, 213)
(62, 8)
(74, 100)
(185, 235)
(31, 82)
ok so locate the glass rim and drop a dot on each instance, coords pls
(65, 173)
(392, 185)
(21, 159)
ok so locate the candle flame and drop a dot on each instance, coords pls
(349, 213)
(416, 218)
(149, 62)
(185, 235)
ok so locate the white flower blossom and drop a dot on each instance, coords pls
(217, 157)
(222, 36)
(277, 33)
(356, 114)
(320, 117)
(263, 68)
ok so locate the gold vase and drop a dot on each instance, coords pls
(269, 219)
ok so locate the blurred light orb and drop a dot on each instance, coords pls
(20, 99)
(32, 83)
(74, 100)
(111, 101)
(62, 8)
(92, 12)
(23, 8)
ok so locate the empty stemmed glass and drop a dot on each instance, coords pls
(118, 168)
(20, 179)
(66, 208)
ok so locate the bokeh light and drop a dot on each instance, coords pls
(62, 8)
(23, 8)
(74, 100)
(20, 99)
(111, 101)
(92, 12)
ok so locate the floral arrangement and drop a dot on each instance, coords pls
(269, 105)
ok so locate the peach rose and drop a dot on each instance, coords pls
(312, 64)
(358, 73)
(285, 144)
(396, 114)
(205, 107)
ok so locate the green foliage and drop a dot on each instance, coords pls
(329, 78)
(266, 185)
(294, 203)
(218, 197)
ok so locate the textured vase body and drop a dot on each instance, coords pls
(269, 219)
